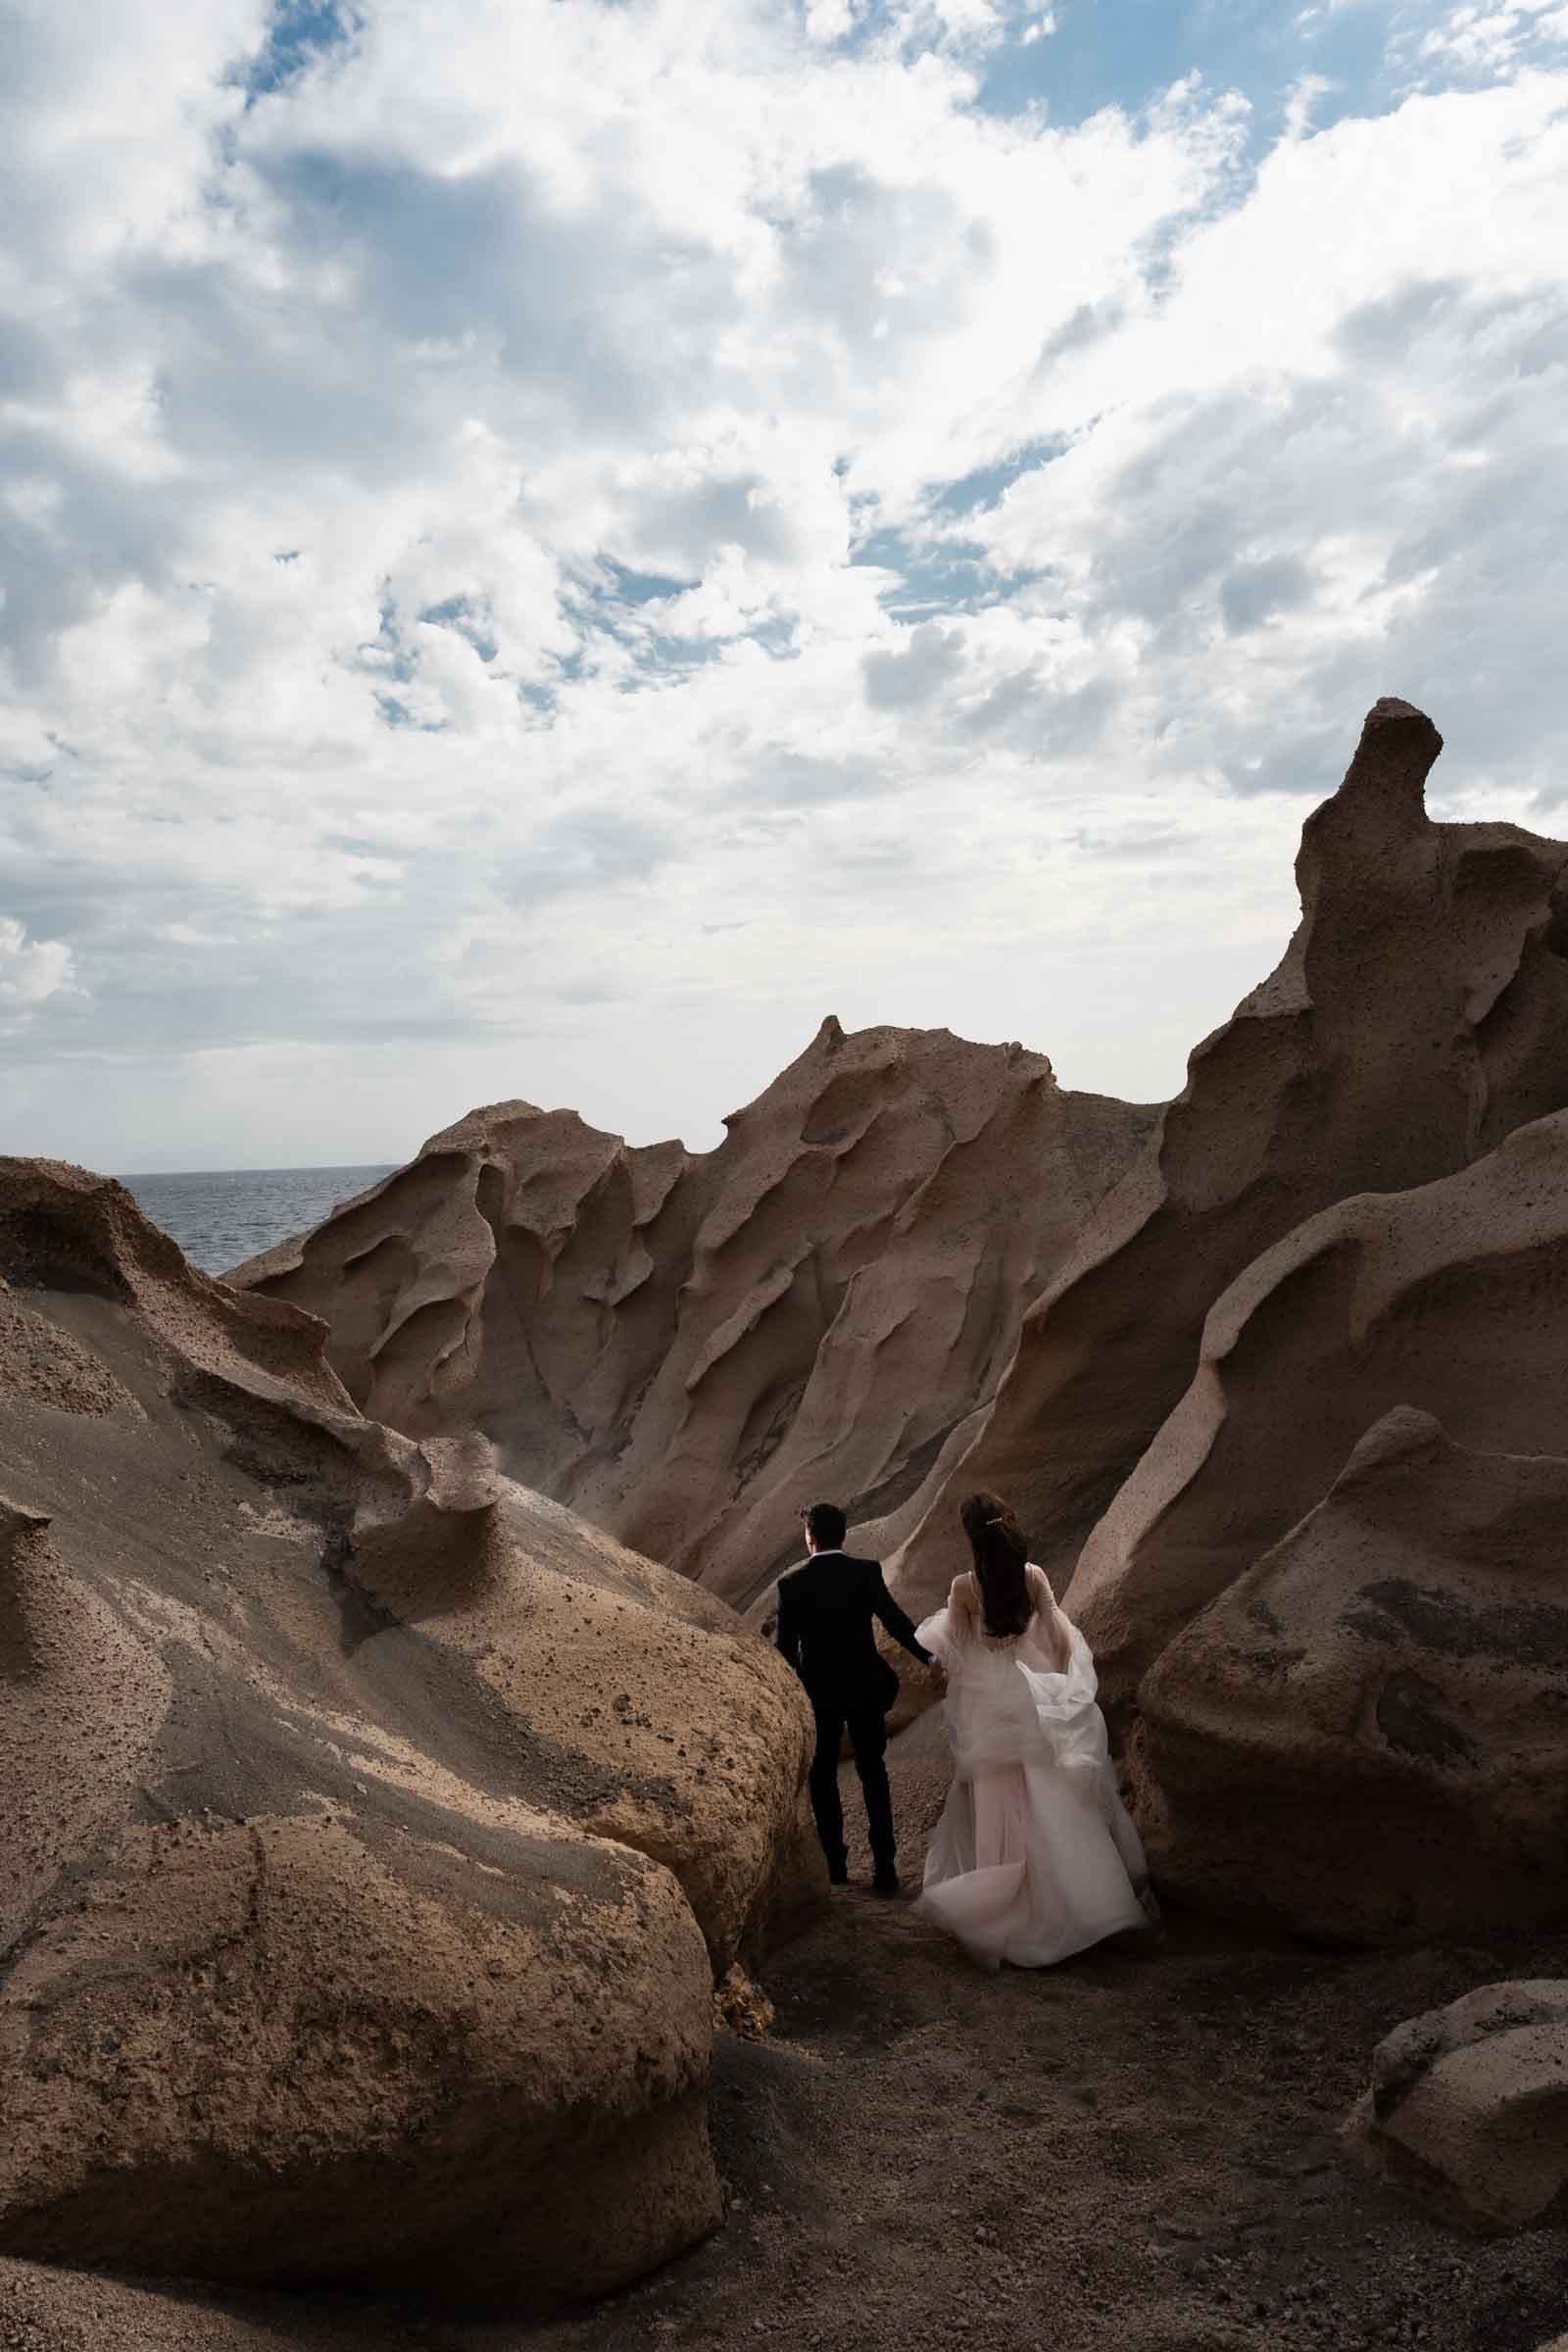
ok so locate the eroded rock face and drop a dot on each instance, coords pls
(1468, 2108)
(1419, 1014)
(1452, 1298)
(1335, 1581)
(687, 1347)
(1364, 1736)
(374, 1831)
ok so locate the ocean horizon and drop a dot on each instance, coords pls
(221, 1216)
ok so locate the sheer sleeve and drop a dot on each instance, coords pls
(950, 1631)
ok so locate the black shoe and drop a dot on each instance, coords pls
(886, 1881)
(838, 1876)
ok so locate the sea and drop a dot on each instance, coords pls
(220, 1216)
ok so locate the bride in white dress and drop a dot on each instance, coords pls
(1035, 1856)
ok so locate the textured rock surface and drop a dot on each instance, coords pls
(1468, 2107)
(1336, 1578)
(687, 1347)
(1452, 1298)
(374, 1831)
(1418, 1015)
(1363, 1737)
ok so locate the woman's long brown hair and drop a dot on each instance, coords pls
(1001, 1555)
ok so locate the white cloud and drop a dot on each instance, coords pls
(1492, 40)
(511, 578)
(31, 970)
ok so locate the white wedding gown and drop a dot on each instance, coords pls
(1035, 1856)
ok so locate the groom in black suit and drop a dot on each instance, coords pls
(825, 1610)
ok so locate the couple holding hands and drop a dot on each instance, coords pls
(1035, 1856)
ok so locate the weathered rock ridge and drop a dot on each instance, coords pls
(1449, 1299)
(686, 1347)
(1419, 1014)
(374, 1831)
(918, 1264)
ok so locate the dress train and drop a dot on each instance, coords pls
(1035, 1856)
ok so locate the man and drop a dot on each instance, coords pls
(825, 1610)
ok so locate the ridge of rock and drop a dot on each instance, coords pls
(687, 1347)
(1418, 1015)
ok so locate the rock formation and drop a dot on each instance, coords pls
(1448, 1299)
(1266, 1410)
(916, 1264)
(687, 1347)
(374, 1832)
(1468, 2108)
(1388, 1687)
(1419, 1014)
(1336, 1578)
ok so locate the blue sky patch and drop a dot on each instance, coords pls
(299, 33)
(395, 712)
(934, 576)
(978, 492)
(462, 614)
(627, 586)
(1127, 53)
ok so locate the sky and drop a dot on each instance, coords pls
(547, 545)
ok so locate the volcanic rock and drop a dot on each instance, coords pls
(1468, 2107)
(1452, 1298)
(687, 1347)
(1419, 1014)
(1363, 1737)
(1335, 1577)
(1449, 1300)
(374, 1832)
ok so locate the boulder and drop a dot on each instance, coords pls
(686, 1347)
(1363, 1737)
(1468, 2107)
(269, 2049)
(1419, 1014)
(374, 1832)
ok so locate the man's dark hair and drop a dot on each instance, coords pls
(826, 1524)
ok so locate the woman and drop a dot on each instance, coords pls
(1035, 1855)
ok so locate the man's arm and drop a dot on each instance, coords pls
(883, 1607)
(789, 1626)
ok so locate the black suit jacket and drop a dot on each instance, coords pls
(825, 1613)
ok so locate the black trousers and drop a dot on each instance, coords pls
(867, 1728)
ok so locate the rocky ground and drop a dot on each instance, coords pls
(1136, 2151)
